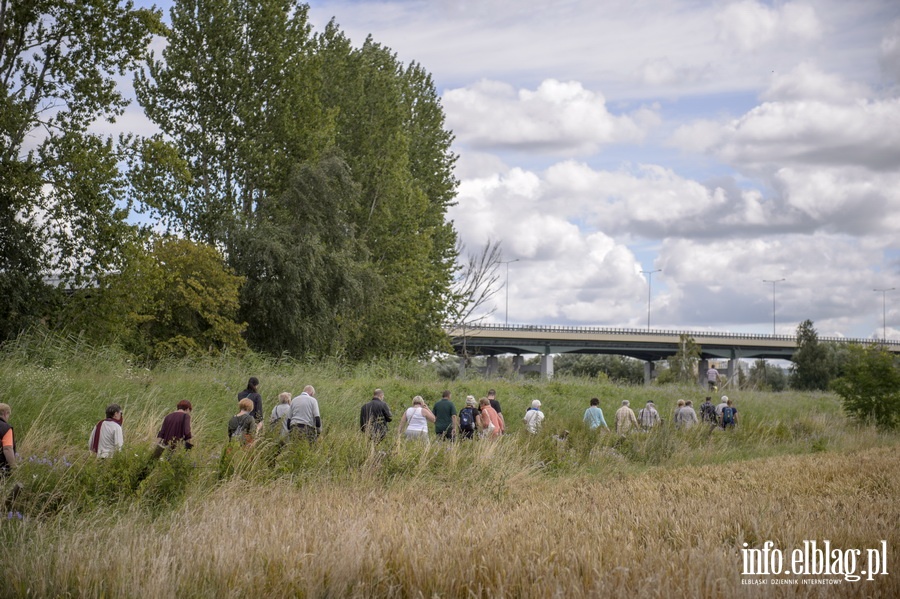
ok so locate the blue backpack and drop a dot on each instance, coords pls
(467, 419)
(727, 416)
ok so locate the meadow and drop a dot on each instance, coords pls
(664, 514)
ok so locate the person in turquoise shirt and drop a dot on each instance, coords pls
(593, 416)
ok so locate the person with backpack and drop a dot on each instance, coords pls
(719, 408)
(468, 416)
(729, 415)
(708, 412)
(242, 425)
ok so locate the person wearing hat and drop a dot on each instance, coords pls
(649, 416)
(534, 417)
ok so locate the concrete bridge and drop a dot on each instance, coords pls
(492, 340)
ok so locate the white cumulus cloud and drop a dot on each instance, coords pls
(557, 116)
(750, 24)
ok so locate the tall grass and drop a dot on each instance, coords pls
(506, 532)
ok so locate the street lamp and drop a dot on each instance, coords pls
(773, 300)
(649, 274)
(507, 263)
(884, 312)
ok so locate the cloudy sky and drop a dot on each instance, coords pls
(723, 143)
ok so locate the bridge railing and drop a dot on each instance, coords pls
(667, 332)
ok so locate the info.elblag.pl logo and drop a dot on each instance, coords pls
(814, 559)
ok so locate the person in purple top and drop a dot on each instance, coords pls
(175, 430)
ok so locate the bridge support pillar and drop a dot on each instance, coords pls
(702, 367)
(648, 372)
(547, 366)
(518, 364)
(462, 368)
(492, 367)
(731, 372)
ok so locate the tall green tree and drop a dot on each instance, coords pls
(390, 127)
(236, 94)
(62, 195)
(249, 101)
(812, 369)
(765, 377)
(683, 365)
(308, 281)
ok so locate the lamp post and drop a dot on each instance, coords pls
(884, 312)
(649, 274)
(507, 263)
(773, 281)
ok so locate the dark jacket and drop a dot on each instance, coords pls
(374, 416)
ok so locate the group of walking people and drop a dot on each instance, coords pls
(483, 417)
(299, 417)
(723, 415)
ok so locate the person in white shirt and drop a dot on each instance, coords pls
(534, 417)
(712, 378)
(414, 422)
(107, 438)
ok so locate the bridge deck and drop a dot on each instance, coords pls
(637, 343)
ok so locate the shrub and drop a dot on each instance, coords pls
(870, 389)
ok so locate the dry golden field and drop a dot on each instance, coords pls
(659, 533)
